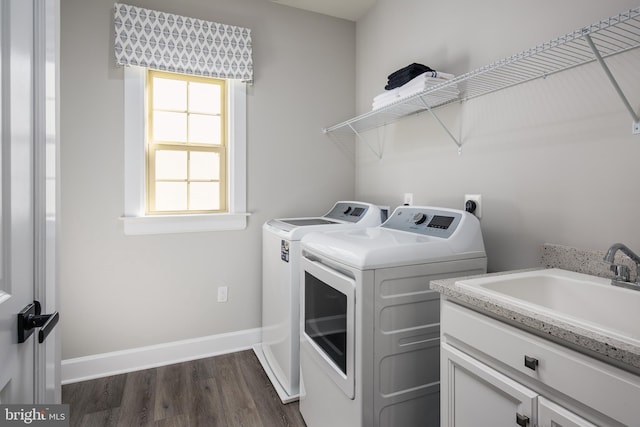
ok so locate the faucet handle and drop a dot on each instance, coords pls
(621, 272)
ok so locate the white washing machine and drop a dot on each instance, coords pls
(370, 325)
(279, 351)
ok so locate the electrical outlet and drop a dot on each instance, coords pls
(408, 199)
(222, 294)
(477, 199)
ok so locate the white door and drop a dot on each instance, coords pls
(553, 415)
(476, 395)
(23, 242)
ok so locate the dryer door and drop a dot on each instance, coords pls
(328, 305)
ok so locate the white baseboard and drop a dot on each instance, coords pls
(119, 362)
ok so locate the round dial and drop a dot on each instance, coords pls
(346, 211)
(419, 218)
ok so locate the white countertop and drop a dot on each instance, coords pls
(623, 354)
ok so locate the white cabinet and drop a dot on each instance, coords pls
(481, 396)
(553, 415)
(493, 374)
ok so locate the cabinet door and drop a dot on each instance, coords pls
(475, 395)
(553, 415)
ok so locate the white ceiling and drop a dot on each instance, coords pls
(346, 9)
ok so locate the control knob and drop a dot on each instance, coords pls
(346, 211)
(419, 218)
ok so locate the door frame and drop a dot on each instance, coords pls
(47, 375)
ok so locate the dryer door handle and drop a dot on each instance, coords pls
(330, 269)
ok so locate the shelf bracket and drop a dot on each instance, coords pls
(435, 116)
(612, 79)
(362, 139)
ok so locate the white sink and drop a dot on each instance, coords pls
(583, 300)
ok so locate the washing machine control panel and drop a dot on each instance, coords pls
(348, 211)
(425, 221)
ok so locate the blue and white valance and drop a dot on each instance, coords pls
(169, 42)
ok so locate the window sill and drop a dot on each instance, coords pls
(166, 224)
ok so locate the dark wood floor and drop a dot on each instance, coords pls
(228, 390)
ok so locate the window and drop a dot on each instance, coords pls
(186, 144)
(190, 176)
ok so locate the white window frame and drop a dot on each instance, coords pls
(134, 219)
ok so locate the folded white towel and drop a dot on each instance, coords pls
(429, 76)
(422, 83)
(387, 95)
(437, 75)
(418, 84)
(422, 79)
(386, 98)
(384, 103)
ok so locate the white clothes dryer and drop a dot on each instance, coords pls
(280, 347)
(370, 325)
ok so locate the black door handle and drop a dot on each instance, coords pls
(30, 318)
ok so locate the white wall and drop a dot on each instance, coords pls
(122, 292)
(554, 160)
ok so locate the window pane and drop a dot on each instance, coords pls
(171, 164)
(169, 126)
(204, 165)
(187, 120)
(204, 196)
(204, 129)
(171, 196)
(204, 98)
(169, 94)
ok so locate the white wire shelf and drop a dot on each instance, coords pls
(608, 37)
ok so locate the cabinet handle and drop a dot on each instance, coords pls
(531, 362)
(522, 420)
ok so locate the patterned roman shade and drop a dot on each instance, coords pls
(169, 42)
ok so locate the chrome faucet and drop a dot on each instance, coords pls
(622, 271)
